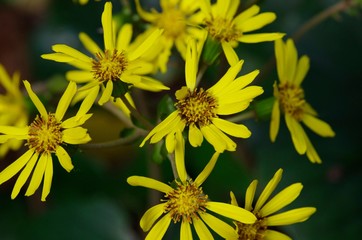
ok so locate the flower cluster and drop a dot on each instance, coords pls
(204, 108)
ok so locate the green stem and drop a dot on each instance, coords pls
(171, 157)
(243, 116)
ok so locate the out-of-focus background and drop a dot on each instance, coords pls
(95, 202)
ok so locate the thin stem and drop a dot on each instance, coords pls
(136, 114)
(243, 116)
(119, 114)
(171, 157)
(201, 73)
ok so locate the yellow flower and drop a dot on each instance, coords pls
(199, 109)
(228, 30)
(13, 111)
(45, 136)
(114, 69)
(265, 209)
(185, 201)
(179, 24)
(289, 98)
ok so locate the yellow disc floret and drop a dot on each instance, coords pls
(197, 107)
(45, 134)
(173, 22)
(291, 99)
(254, 231)
(222, 29)
(109, 66)
(185, 202)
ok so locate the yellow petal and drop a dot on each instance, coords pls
(64, 159)
(279, 50)
(14, 131)
(37, 174)
(233, 129)
(191, 64)
(311, 152)
(65, 100)
(185, 231)
(124, 36)
(201, 230)
(268, 190)
(143, 47)
(207, 170)
(77, 55)
(291, 216)
(180, 156)
(107, 92)
(257, 21)
(318, 126)
(250, 194)
(233, 212)
(195, 136)
(150, 84)
(302, 70)
(231, 108)
(213, 139)
(89, 44)
(233, 199)
(220, 227)
(107, 26)
(150, 17)
(34, 98)
(297, 134)
(260, 37)
(24, 175)
(16, 166)
(170, 142)
(48, 176)
(230, 54)
(58, 57)
(160, 228)
(244, 15)
(87, 103)
(275, 121)
(222, 7)
(79, 76)
(151, 216)
(274, 235)
(205, 7)
(75, 121)
(282, 199)
(167, 128)
(291, 59)
(149, 183)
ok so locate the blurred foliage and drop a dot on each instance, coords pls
(95, 202)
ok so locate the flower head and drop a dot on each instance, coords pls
(177, 19)
(13, 111)
(45, 136)
(185, 201)
(199, 110)
(226, 28)
(265, 211)
(113, 69)
(290, 101)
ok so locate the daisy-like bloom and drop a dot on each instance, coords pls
(199, 110)
(13, 111)
(185, 201)
(226, 28)
(265, 211)
(113, 69)
(289, 100)
(179, 24)
(45, 136)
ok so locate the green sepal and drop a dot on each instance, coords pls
(211, 51)
(120, 89)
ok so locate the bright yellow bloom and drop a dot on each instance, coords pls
(185, 201)
(264, 211)
(199, 110)
(223, 27)
(177, 20)
(13, 111)
(289, 98)
(114, 69)
(45, 136)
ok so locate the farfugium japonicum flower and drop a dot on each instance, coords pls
(113, 69)
(13, 111)
(266, 211)
(46, 135)
(185, 201)
(290, 101)
(179, 24)
(199, 110)
(226, 28)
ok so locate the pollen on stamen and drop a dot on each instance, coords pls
(291, 100)
(222, 30)
(110, 66)
(185, 202)
(198, 107)
(45, 134)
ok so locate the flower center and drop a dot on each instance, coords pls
(173, 22)
(197, 107)
(291, 99)
(110, 66)
(222, 29)
(45, 135)
(254, 231)
(185, 202)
